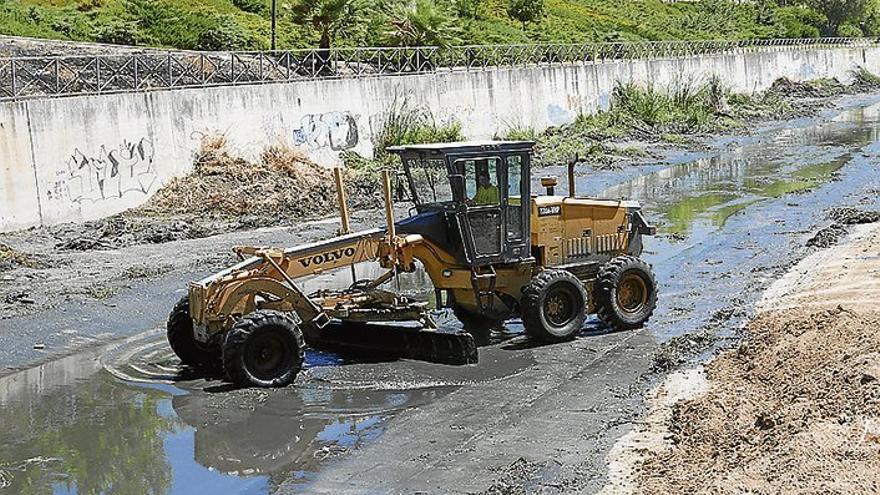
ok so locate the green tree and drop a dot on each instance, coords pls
(469, 9)
(844, 17)
(800, 22)
(525, 11)
(331, 18)
(227, 34)
(421, 23)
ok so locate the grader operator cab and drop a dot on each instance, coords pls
(491, 248)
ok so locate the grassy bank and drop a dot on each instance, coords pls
(245, 24)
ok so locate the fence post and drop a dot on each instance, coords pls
(14, 80)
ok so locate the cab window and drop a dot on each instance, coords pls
(514, 197)
(482, 186)
(430, 181)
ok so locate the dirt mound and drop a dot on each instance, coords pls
(130, 228)
(796, 409)
(828, 236)
(842, 216)
(225, 193)
(818, 88)
(283, 185)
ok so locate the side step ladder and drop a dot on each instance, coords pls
(485, 297)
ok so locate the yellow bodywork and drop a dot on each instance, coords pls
(564, 230)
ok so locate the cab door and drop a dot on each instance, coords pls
(480, 217)
(516, 207)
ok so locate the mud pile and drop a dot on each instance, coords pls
(842, 216)
(848, 215)
(796, 409)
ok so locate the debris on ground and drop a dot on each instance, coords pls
(146, 271)
(817, 88)
(842, 216)
(11, 258)
(827, 236)
(849, 215)
(523, 476)
(676, 351)
(19, 297)
(796, 408)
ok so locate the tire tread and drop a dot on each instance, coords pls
(605, 286)
(237, 336)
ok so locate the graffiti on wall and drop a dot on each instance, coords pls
(335, 130)
(108, 173)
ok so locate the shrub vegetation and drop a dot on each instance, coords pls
(244, 24)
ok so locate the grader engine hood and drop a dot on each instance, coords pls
(577, 230)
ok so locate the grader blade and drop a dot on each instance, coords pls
(395, 340)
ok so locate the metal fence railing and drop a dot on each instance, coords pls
(35, 77)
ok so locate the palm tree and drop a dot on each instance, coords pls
(421, 23)
(330, 18)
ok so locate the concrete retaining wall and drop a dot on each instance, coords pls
(80, 158)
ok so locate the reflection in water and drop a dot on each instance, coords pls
(67, 428)
(277, 433)
(70, 426)
(703, 194)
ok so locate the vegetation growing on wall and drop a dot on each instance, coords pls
(244, 24)
(675, 115)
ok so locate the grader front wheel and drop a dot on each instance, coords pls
(264, 349)
(179, 331)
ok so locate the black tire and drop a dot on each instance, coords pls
(626, 293)
(179, 330)
(264, 349)
(554, 306)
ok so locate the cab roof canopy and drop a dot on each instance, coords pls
(437, 149)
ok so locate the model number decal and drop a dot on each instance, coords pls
(546, 211)
(320, 259)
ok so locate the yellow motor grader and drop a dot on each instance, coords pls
(491, 249)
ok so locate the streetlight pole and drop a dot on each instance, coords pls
(274, 12)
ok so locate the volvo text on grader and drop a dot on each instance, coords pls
(491, 249)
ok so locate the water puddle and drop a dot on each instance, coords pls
(126, 418)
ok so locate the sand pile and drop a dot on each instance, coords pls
(796, 409)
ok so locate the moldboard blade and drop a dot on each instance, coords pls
(394, 341)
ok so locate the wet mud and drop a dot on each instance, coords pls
(127, 417)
